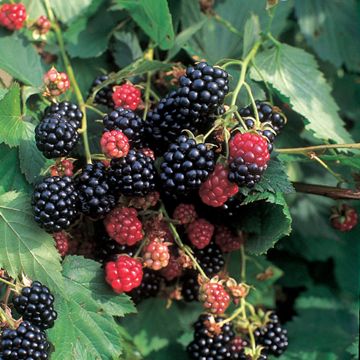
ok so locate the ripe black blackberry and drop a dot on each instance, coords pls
(207, 346)
(272, 336)
(55, 202)
(104, 95)
(133, 175)
(185, 166)
(210, 258)
(95, 194)
(149, 287)
(26, 342)
(67, 110)
(202, 90)
(35, 304)
(267, 113)
(190, 286)
(128, 122)
(55, 136)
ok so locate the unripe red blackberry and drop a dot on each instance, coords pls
(43, 25)
(185, 213)
(56, 82)
(62, 168)
(127, 96)
(344, 218)
(226, 240)
(214, 297)
(173, 270)
(200, 233)
(12, 16)
(61, 242)
(156, 255)
(114, 144)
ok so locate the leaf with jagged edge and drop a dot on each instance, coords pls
(295, 74)
(25, 247)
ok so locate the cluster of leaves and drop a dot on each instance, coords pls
(314, 266)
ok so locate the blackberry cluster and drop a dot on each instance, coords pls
(68, 111)
(272, 336)
(95, 194)
(149, 287)
(207, 346)
(133, 175)
(104, 95)
(55, 136)
(55, 203)
(128, 122)
(35, 304)
(26, 342)
(185, 166)
(190, 286)
(211, 259)
(244, 174)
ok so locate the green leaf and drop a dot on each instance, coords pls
(353, 349)
(13, 127)
(334, 34)
(86, 314)
(154, 17)
(10, 175)
(25, 247)
(304, 355)
(3, 92)
(20, 60)
(68, 11)
(295, 74)
(82, 353)
(267, 220)
(34, 8)
(126, 48)
(251, 33)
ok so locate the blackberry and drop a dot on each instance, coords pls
(133, 175)
(185, 166)
(190, 286)
(202, 90)
(267, 113)
(272, 336)
(26, 342)
(207, 346)
(149, 287)
(55, 136)
(55, 202)
(104, 95)
(95, 194)
(128, 122)
(210, 259)
(67, 110)
(35, 304)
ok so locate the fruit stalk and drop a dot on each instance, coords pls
(307, 149)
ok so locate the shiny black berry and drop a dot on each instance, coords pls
(26, 342)
(133, 175)
(128, 122)
(55, 136)
(68, 111)
(149, 287)
(55, 203)
(35, 304)
(185, 166)
(104, 95)
(95, 194)
(272, 336)
(211, 259)
(190, 286)
(207, 346)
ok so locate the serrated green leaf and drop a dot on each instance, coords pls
(3, 92)
(82, 353)
(10, 175)
(13, 127)
(295, 74)
(20, 60)
(251, 33)
(25, 247)
(69, 10)
(86, 315)
(154, 17)
(334, 34)
(126, 48)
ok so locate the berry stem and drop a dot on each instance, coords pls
(4, 317)
(227, 24)
(253, 103)
(149, 55)
(240, 310)
(237, 114)
(8, 283)
(138, 251)
(307, 149)
(243, 264)
(94, 109)
(70, 72)
(313, 156)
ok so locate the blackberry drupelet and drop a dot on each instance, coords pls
(55, 136)
(207, 346)
(185, 166)
(267, 113)
(149, 287)
(190, 286)
(104, 95)
(35, 304)
(202, 90)
(133, 175)
(26, 342)
(210, 259)
(95, 194)
(268, 132)
(55, 202)
(272, 336)
(244, 174)
(128, 122)
(67, 110)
